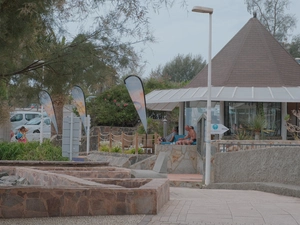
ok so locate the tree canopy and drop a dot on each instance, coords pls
(180, 69)
(38, 52)
(272, 14)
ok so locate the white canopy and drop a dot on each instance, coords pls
(167, 100)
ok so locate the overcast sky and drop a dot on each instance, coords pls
(179, 31)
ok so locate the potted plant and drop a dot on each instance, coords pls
(257, 125)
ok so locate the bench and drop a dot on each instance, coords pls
(176, 138)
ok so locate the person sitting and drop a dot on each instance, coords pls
(170, 137)
(21, 135)
(189, 138)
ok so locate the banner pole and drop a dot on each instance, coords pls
(71, 136)
(88, 119)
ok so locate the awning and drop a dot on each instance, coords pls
(167, 100)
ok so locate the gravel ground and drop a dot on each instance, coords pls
(88, 220)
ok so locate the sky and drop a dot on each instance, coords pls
(181, 31)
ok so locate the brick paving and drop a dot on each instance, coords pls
(191, 206)
(226, 207)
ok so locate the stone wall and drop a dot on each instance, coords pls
(274, 164)
(182, 159)
(238, 145)
(54, 178)
(38, 201)
(52, 194)
(117, 159)
(146, 164)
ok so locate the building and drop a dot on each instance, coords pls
(252, 73)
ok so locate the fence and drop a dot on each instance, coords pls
(125, 141)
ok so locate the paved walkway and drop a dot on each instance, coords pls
(189, 206)
(204, 206)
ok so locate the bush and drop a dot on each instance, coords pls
(132, 151)
(31, 151)
(116, 149)
(104, 148)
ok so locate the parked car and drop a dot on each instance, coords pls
(19, 118)
(34, 126)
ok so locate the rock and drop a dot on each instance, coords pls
(12, 181)
(2, 174)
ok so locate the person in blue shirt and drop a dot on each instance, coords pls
(170, 137)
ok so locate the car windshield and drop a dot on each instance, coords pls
(34, 121)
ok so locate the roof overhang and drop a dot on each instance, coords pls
(167, 100)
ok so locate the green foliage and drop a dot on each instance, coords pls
(242, 134)
(153, 126)
(287, 117)
(180, 69)
(294, 48)
(113, 108)
(160, 83)
(132, 151)
(35, 54)
(258, 123)
(31, 151)
(116, 149)
(104, 148)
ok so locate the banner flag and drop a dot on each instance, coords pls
(135, 88)
(79, 101)
(46, 102)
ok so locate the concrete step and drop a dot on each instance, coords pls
(185, 180)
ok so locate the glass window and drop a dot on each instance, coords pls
(30, 116)
(47, 121)
(17, 117)
(194, 111)
(35, 121)
(240, 114)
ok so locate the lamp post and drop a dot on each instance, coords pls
(201, 9)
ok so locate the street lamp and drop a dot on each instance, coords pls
(201, 9)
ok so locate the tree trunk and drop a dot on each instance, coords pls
(58, 105)
(5, 126)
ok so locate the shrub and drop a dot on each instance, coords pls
(31, 151)
(132, 151)
(104, 148)
(116, 149)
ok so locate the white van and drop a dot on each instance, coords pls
(33, 127)
(21, 117)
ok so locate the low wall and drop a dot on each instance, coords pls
(274, 164)
(117, 159)
(51, 193)
(182, 159)
(146, 164)
(238, 145)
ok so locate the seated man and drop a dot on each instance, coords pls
(170, 137)
(189, 138)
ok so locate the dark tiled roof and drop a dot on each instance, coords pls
(252, 58)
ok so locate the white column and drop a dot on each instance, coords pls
(283, 114)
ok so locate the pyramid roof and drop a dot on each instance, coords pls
(252, 58)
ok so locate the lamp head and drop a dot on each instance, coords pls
(201, 9)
